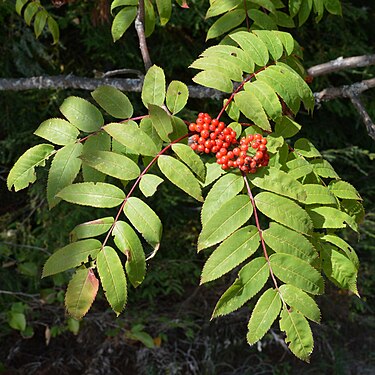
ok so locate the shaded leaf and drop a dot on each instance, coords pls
(305, 148)
(295, 271)
(286, 127)
(234, 250)
(264, 314)
(23, 171)
(98, 194)
(128, 242)
(112, 277)
(191, 159)
(123, 19)
(164, 10)
(251, 279)
(113, 101)
(82, 114)
(226, 23)
(81, 292)
(220, 225)
(72, 255)
(161, 121)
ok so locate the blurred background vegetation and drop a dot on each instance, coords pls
(166, 327)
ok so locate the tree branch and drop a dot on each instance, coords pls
(370, 126)
(340, 64)
(139, 27)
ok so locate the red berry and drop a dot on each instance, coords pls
(262, 147)
(195, 137)
(259, 155)
(198, 128)
(226, 144)
(192, 127)
(244, 147)
(264, 141)
(201, 140)
(201, 114)
(221, 126)
(207, 150)
(199, 121)
(194, 146)
(215, 149)
(236, 151)
(201, 148)
(205, 133)
(258, 136)
(215, 122)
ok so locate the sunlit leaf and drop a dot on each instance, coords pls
(57, 131)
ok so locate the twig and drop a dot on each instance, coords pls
(341, 64)
(370, 126)
(139, 27)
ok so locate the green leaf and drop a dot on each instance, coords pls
(333, 7)
(323, 169)
(283, 19)
(262, 21)
(215, 80)
(286, 241)
(253, 46)
(341, 244)
(281, 81)
(213, 172)
(64, 169)
(353, 208)
(279, 182)
(226, 67)
(30, 12)
(149, 183)
(179, 130)
(130, 135)
(72, 255)
(298, 333)
(298, 168)
(264, 314)
(344, 190)
(329, 217)
(249, 104)
(147, 127)
(294, 6)
(284, 211)
(319, 9)
(98, 194)
(97, 142)
(251, 279)
(164, 10)
(153, 90)
(57, 131)
(319, 194)
(91, 228)
(144, 220)
(119, 3)
(225, 23)
(191, 159)
(233, 111)
(266, 4)
(16, 320)
(232, 54)
(295, 271)
(81, 292)
(339, 269)
(112, 277)
(124, 18)
(128, 242)
(286, 39)
(305, 11)
(234, 250)
(82, 114)
(23, 171)
(113, 101)
(226, 188)
(177, 96)
(150, 18)
(220, 225)
(286, 127)
(267, 97)
(180, 175)
(300, 301)
(19, 5)
(305, 148)
(39, 22)
(112, 164)
(219, 7)
(53, 27)
(161, 121)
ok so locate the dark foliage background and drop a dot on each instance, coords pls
(169, 310)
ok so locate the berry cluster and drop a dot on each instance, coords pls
(210, 135)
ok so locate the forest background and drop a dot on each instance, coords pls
(167, 328)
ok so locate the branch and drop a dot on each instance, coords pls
(340, 64)
(346, 91)
(83, 83)
(139, 27)
(370, 126)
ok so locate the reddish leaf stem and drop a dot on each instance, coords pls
(137, 182)
(250, 194)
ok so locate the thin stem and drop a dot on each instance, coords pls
(137, 182)
(241, 85)
(250, 194)
(135, 118)
(247, 16)
(139, 27)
